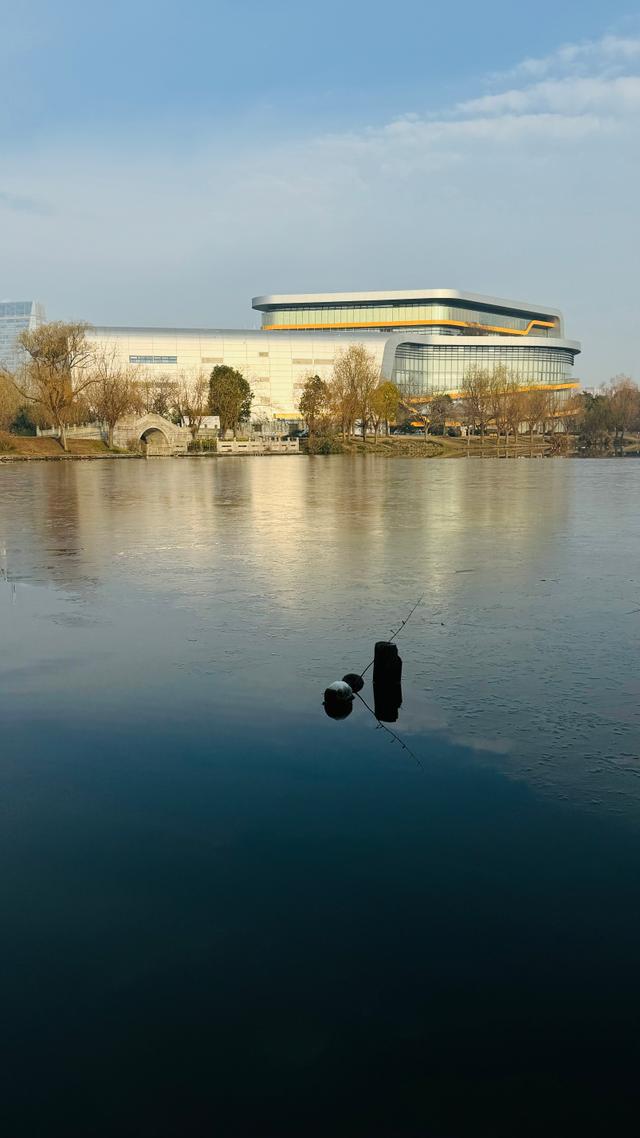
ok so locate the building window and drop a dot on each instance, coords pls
(153, 359)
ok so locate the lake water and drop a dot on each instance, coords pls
(224, 913)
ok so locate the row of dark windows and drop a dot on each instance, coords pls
(153, 359)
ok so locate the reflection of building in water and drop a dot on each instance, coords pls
(292, 567)
(425, 340)
(280, 529)
(285, 524)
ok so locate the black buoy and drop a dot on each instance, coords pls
(355, 682)
(338, 700)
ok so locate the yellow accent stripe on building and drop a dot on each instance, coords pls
(412, 324)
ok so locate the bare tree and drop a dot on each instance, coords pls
(367, 379)
(624, 404)
(157, 394)
(57, 371)
(314, 402)
(536, 403)
(477, 400)
(440, 408)
(551, 412)
(417, 412)
(498, 388)
(115, 392)
(385, 401)
(355, 377)
(466, 413)
(9, 401)
(514, 411)
(191, 401)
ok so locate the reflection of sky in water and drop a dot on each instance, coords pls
(224, 913)
(221, 585)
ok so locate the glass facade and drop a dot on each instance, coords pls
(16, 316)
(423, 370)
(456, 316)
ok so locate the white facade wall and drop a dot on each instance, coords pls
(275, 363)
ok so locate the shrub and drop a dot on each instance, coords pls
(23, 423)
(324, 444)
(200, 446)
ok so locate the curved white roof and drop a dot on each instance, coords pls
(264, 303)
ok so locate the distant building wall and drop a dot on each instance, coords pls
(276, 366)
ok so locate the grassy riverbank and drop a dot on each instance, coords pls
(17, 447)
(416, 446)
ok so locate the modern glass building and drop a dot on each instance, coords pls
(438, 310)
(434, 337)
(425, 341)
(16, 316)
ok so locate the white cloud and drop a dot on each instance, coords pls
(529, 191)
(615, 96)
(610, 54)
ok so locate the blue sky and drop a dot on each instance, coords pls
(164, 162)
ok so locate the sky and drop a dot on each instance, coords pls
(160, 164)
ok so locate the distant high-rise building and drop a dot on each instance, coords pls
(15, 317)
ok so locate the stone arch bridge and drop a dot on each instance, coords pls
(157, 436)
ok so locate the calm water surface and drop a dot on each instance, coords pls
(225, 914)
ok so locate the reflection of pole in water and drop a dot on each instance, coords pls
(387, 675)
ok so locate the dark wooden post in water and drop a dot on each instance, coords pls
(387, 674)
(387, 665)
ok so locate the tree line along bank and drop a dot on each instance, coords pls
(63, 380)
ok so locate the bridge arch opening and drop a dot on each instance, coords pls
(155, 442)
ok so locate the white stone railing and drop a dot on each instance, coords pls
(253, 446)
(80, 431)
